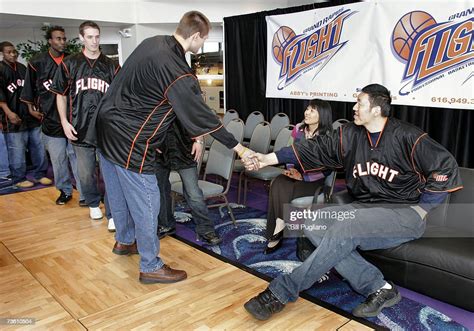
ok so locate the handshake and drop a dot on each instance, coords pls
(254, 161)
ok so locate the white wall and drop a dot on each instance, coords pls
(145, 18)
(96, 10)
(109, 35)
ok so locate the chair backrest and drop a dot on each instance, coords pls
(221, 159)
(337, 123)
(252, 121)
(278, 122)
(283, 138)
(260, 141)
(229, 115)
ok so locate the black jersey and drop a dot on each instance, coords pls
(39, 77)
(155, 86)
(12, 79)
(404, 162)
(84, 81)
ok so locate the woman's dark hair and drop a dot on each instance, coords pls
(325, 116)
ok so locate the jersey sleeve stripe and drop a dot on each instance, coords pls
(154, 133)
(220, 126)
(32, 66)
(139, 131)
(182, 76)
(412, 156)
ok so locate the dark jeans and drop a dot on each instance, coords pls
(192, 194)
(86, 170)
(17, 144)
(337, 241)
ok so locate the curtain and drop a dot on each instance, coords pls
(245, 81)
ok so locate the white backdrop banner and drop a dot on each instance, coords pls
(423, 52)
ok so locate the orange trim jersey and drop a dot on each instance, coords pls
(84, 81)
(38, 80)
(404, 162)
(12, 79)
(154, 87)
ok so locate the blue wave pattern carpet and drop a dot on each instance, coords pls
(244, 244)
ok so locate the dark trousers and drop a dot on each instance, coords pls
(282, 190)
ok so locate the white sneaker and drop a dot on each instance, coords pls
(111, 225)
(95, 213)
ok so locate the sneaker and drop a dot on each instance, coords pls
(83, 203)
(63, 198)
(111, 225)
(95, 213)
(164, 231)
(264, 305)
(210, 238)
(377, 301)
(45, 181)
(24, 184)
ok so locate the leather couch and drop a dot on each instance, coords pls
(440, 264)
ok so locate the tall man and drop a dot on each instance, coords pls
(80, 82)
(22, 131)
(42, 105)
(155, 86)
(396, 174)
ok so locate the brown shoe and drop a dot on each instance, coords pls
(163, 275)
(121, 249)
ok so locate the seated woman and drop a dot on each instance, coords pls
(294, 183)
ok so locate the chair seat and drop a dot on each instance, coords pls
(267, 173)
(207, 188)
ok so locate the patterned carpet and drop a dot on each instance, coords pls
(243, 246)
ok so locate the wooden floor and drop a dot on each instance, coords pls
(56, 266)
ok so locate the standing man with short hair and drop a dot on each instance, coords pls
(22, 131)
(42, 105)
(80, 82)
(155, 86)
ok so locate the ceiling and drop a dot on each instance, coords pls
(12, 21)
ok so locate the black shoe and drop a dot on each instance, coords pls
(210, 238)
(164, 231)
(82, 203)
(377, 301)
(270, 249)
(63, 198)
(264, 305)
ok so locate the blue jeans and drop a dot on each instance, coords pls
(337, 241)
(135, 203)
(86, 171)
(62, 154)
(17, 143)
(4, 164)
(192, 194)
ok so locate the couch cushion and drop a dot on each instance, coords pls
(453, 255)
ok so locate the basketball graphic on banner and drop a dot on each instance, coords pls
(280, 39)
(406, 30)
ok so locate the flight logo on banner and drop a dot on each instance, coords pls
(432, 50)
(309, 51)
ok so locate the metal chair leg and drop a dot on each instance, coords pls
(232, 217)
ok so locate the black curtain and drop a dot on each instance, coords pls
(245, 80)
